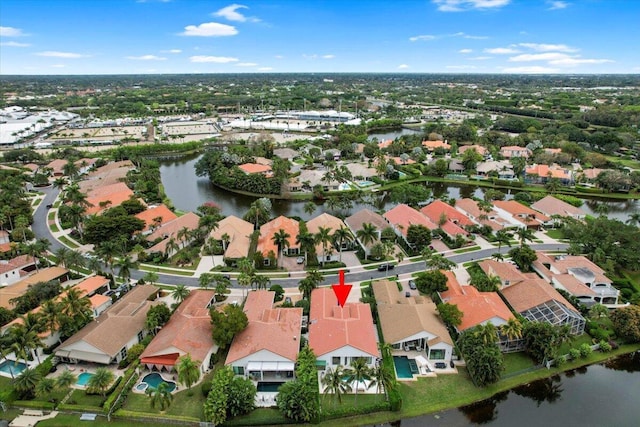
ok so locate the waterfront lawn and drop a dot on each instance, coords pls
(80, 397)
(74, 419)
(182, 404)
(516, 362)
(575, 343)
(260, 416)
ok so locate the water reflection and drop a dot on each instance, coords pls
(626, 363)
(484, 411)
(546, 390)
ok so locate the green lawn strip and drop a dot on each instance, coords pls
(515, 362)
(80, 397)
(182, 404)
(68, 242)
(556, 233)
(65, 420)
(154, 269)
(470, 249)
(575, 343)
(51, 216)
(54, 228)
(10, 414)
(259, 417)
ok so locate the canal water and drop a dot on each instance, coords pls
(188, 191)
(606, 394)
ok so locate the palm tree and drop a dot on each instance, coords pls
(188, 371)
(358, 372)
(383, 379)
(183, 235)
(503, 238)
(244, 281)
(306, 241)
(180, 293)
(367, 234)
(26, 382)
(60, 182)
(45, 386)
(323, 237)
(281, 240)
(524, 234)
(76, 310)
(36, 249)
(50, 315)
(634, 219)
(65, 380)
(171, 246)
(487, 333)
(512, 329)
(497, 256)
(310, 208)
(100, 380)
(206, 280)
(341, 236)
(160, 397)
(335, 384)
(24, 338)
(125, 264)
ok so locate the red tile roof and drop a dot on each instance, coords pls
(546, 171)
(150, 214)
(436, 208)
(402, 216)
(432, 145)
(239, 232)
(520, 211)
(91, 284)
(332, 327)
(268, 230)
(549, 206)
(251, 168)
(531, 293)
(276, 330)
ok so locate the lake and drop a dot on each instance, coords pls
(606, 394)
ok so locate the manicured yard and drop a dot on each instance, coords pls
(516, 362)
(556, 233)
(470, 249)
(68, 242)
(182, 405)
(84, 399)
(74, 419)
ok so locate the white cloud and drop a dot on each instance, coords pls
(469, 36)
(210, 29)
(578, 61)
(463, 5)
(246, 64)
(216, 59)
(14, 44)
(545, 47)
(461, 67)
(425, 37)
(480, 58)
(403, 67)
(174, 51)
(11, 32)
(555, 5)
(330, 56)
(502, 51)
(265, 68)
(231, 13)
(548, 56)
(536, 69)
(147, 58)
(465, 51)
(55, 54)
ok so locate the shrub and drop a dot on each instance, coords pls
(205, 387)
(605, 347)
(574, 353)
(395, 400)
(585, 350)
(561, 360)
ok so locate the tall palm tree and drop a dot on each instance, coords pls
(76, 310)
(383, 379)
(75, 260)
(183, 235)
(497, 256)
(180, 293)
(309, 208)
(323, 237)
(100, 380)
(171, 246)
(50, 315)
(65, 380)
(161, 397)
(281, 240)
(23, 340)
(512, 329)
(358, 372)
(244, 281)
(26, 382)
(487, 332)
(188, 371)
(524, 234)
(334, 383)
(45, 386)
(503, 238)
(125, 264)
(368, 234)
(306, 241)
(634, 219)
(341, 236)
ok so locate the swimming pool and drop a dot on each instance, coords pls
(153, 380)
(365, 183)
(267, 386)
(404, 368)
(9, 367)
(83, 379)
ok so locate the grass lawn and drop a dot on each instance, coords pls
(166, 270)
(74, 419)
(182, 405)
(556, 233)
(10, 414)
(54, 228)
(515, 362)
(51, 216)
(260, 416)
(68, 242)
(575, 343)
(82, 398)
(470, 249)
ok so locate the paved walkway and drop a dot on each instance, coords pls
(30, 418)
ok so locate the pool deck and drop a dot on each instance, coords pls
(424, 372)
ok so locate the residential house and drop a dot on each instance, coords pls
(171, 230)
(506, 271)
(550, 206)
(286, 153)
(108, 174)
(578, 276)
(332, 223)
(480, 308)
(360, 172)
(84, 165)
(268, 230)
(447, 218)
(479, 149)
(107, 339)
(503, 169)
(541, 174)
(94, 287)
(589, 175)
(15, 269)
(107, 196)
(154, 217)
(513, 151)
(234, 236)
(472, 210)
(5, 242)
(57, 166)
(523, 215)
(412, 323)
(17, 289)
(356, 222)
(538, 301)
(312, 178)
(340, 335)
(435, 145)
(266, 350)
(402, 216)
(256, 168)
(188, 332)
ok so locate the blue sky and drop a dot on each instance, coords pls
(419, 36)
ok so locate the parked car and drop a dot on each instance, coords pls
(49, 206)
(300, 260)
(287, 300)
(385, 267)
(412, 285)
(407, 294)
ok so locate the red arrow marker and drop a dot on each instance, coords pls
(341, 290)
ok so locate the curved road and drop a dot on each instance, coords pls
(41, 230)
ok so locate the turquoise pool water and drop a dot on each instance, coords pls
(154, 379)
(267, 386)
(83, 379)
(403, 367)
(8, 367)
(365, 183)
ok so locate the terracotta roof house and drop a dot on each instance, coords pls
(238, 237)
(107, 196)
(188, 331)
(5, 242)
(550, 206)
(340, 335)
(402, 216)
(456, 220)
(266, 350)
(590, 174)
(578, 276)
(170, 230)
(106, 339)
(412, 323)
(93, 285)
(399, 160)
(15, 269)
(268, 230)
(17, 289)
(538, 301)
(512, 151)
(57, 166)
(332, 223)
(540, 174)
(365, 216)
(108, 174)
(385, 144)
(256, 168)
(84, 165)
(433, 145)
(479, 149)
(507, 272)
(163, 213)
(520, 213)
(471, 209)
(360, 171)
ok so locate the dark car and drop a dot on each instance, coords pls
(412, 285)
(49, 206)
(407, 294)
(385, 267)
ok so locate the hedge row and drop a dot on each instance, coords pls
(37, 404)
(125, 379)
(347, 411)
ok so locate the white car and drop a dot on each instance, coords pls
(300, 260)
